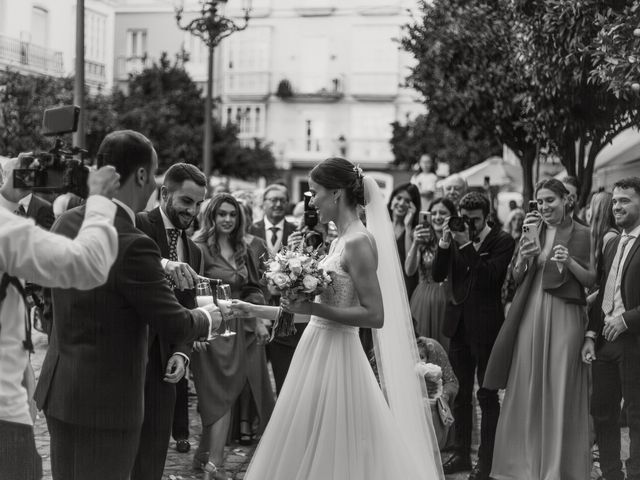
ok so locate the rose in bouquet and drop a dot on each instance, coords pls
(432, 375)
(296, 274)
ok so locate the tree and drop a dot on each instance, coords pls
(425, 134)
(165, 104)
(472, 74)
(577, 102)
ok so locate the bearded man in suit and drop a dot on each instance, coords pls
(181, 194)
(91, 386)
(612, 341)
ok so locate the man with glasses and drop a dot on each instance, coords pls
(274, 229)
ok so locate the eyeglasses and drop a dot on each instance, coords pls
(276, 200)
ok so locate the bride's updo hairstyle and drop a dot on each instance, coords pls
(337, 173)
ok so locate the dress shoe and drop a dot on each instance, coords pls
(479, 473)
(183, 446)
(457, 463)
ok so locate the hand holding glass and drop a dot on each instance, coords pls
(204, 297)
(224, 303)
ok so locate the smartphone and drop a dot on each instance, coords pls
(533, 206)
(531, 232)
(424, 218)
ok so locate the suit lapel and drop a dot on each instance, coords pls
(633, 249)
(487, 241)
(155, 218)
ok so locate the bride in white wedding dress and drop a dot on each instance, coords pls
(332, 420)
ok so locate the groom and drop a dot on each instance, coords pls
(92, 380)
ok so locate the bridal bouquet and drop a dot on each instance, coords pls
(296, 275)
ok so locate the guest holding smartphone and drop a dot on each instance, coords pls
(536, 356)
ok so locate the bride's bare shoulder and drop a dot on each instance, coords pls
(362, 243)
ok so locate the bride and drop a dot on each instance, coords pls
(332, 421)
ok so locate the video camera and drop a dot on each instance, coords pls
(312, 238)
(56, 170)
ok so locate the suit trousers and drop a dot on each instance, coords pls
(19, 459)
(79, 452)
(467, 357)
(180, 428)
(616, 375)
(281, 350)
(159, 403)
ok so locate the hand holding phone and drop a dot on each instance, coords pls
(531, 233)
(424, 218)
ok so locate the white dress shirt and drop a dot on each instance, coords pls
(618, 304)
(33, 254)
(273, 248)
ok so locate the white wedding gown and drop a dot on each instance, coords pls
(331, 420)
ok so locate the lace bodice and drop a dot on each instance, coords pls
(342, 292)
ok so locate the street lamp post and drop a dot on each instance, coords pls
(211, 27)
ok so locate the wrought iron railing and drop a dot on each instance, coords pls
(15, 52)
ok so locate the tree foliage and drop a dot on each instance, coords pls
(424, 134)
(546, 75)
(471, 73)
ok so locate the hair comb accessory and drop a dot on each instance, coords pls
(358, 171)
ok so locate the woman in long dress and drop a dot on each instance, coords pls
(225, 366)
(429, 299)
(331, 420)
(543, 430)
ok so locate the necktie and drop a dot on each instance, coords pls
(612, 279)
(274, 235)
(173, 234)
(21, 211)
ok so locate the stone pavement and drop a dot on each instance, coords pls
(178, 465)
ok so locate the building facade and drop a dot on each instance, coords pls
(38, 37)
(314, 78)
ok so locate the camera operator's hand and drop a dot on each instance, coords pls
(105, 181)
(462, 237)
(295, 239)
(445, 241)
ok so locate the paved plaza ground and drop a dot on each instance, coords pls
(178, 466)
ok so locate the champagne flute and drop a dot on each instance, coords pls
(204, 296)
(224, 303)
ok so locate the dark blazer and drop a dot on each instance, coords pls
(151, 223)
(476, 279)
(93, 373)
(257, 229)
(628, 288)
(563, 285)
(41, 211)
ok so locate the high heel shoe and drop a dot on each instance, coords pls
(200, 461)
(213, 473)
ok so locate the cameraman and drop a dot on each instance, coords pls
(474, 257)
(31, 253)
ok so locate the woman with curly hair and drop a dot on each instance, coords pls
(223, 366)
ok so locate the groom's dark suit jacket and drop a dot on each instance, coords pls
(94, 371)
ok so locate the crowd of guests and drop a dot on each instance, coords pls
(493, 307)
(531, 313)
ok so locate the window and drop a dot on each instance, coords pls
(375, 59)
(3, 16)
(314, 65)
(95, 35)
(371, 131)
(39, 26)
(249, 118)
(247, 61)
(136, 43)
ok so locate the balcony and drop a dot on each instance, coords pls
(30, 58)
(311, 88)
(95, 72)
(126, 66)
(374, 86)
(247, 85)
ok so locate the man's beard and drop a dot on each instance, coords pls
(174, 216)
